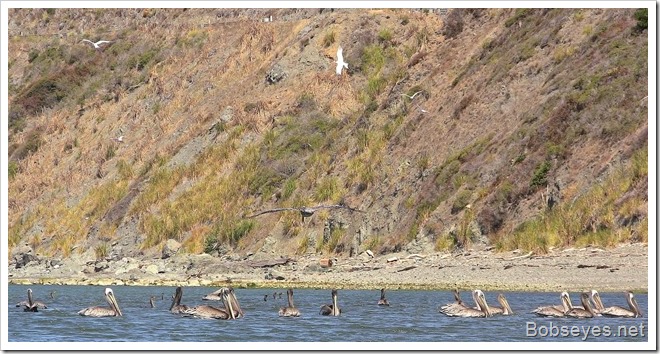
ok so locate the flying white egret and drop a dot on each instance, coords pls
(98, 44)
(413, 96)
(340, 61)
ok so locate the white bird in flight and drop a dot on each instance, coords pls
(96, 45)
(118, 139)
(340, 61)
(413, 96)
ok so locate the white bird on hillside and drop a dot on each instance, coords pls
(413, 96)
(340, 61)
(98, 44)
(118, 139)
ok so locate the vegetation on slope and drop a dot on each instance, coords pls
(513, 107)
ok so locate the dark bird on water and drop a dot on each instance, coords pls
(30, 305)
(266, 297)
(383, 301)
(306, 212)
(331, 309)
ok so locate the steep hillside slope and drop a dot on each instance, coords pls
(528, 130)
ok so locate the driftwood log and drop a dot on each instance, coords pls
(270, 263)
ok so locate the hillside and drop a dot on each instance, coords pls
(529, 131)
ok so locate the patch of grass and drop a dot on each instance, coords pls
(461, 200)
(328, 189)
(590, 218)
(101, 251)
(385, 35)
(561, 53)
(444, 243)
(329, 39)
(12, 169)
(518, 15)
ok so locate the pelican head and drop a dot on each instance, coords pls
(176, 299)
(110, 297)
(480, 299)
(598, 302)
(505, 305)
(633, 304)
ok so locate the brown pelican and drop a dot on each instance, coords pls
(275, 295)
(176, 306)
(504, 310)
(291, 310)
(214, 296)
(98, 311)
(556, 311)
(617, 311)
(383, 301)
(458, 309)
(151, 301)
(331, 309)
(587, 312)
(305, 212)
(30, 305)
(232, 309)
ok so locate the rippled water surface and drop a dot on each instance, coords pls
(413, 316)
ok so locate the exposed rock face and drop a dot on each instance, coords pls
(23, 255)
(171, 248)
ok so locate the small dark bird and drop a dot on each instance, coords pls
(275, 295)
(266, 297)
(306, 212)
(52, 294)
(383, 301)
(280, 295)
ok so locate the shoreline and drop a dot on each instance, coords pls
(617, 269)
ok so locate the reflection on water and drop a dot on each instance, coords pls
(413, 316)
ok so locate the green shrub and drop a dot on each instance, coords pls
(642, 17)
(461, 201)
(540, 175)
(33, 55)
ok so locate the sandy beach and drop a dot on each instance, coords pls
(624, 267)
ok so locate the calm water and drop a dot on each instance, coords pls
(412, 317)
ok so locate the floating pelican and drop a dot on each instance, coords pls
(214, 296)
(331, 309)
(460, 310)
(305, 211)
(383, 301)
(176, 306)
(556, 311)
(100, 45)
(617, 311)
(291, 310)
(30, 305)
(587, 312)
(340, 61)
(504, 310)
(231, 311)
(98, 311)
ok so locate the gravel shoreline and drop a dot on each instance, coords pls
(620, 268)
